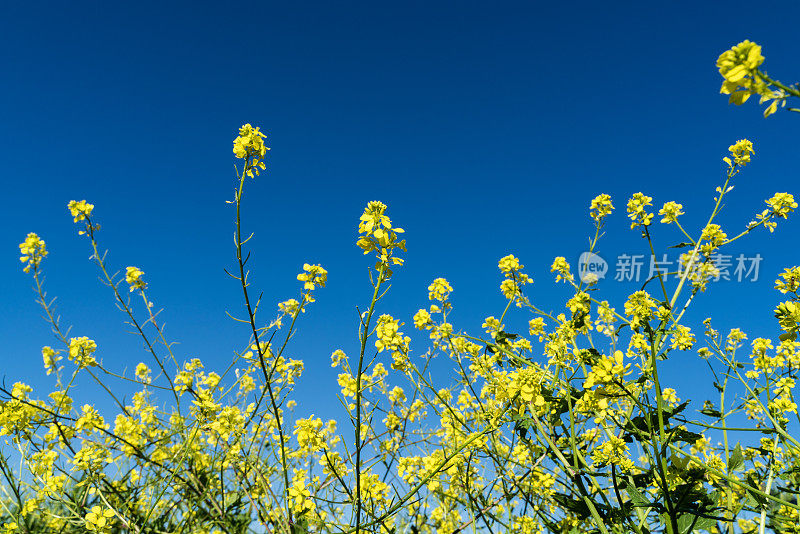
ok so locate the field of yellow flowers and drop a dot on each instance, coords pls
(564, 428)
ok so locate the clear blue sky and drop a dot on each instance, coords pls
(486, 128)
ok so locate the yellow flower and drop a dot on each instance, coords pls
(600, 207)
(422, 319)
(790, 282)
(739, 67)
(250, 145)
(80, 351)
(636, 210)
(561, 266)
(682, 338)
(740, 151)
(607, 370)
(782, 204)
(143, 373)
(50, 358)
(389, 337)
(80, 210)
(133, 276)
(439, 290)
(33, 251)
(98, 519)
(640, 307)
(509, 264)
(379, 235)
(314, 275)
(290, 306)
(740, 61)
(671, 211)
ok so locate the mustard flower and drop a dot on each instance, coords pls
(338, 357)
(90, 420)
(639, 306)
(740, 151)
(509, 264)
(142, 373)
(300, 496)
(33, 251)
(439, 290)
(290, 306)
(50, 358)
(607, 370)
(561, 267)
(600, 207)
(637, 212)
(133, 276)
(422, 320)
(740, 61)
(788, 315)
(536, 327)
(511, 287)
(739, 68)
(714, 236)
(790, 282)
(80, 351)
(379, 235)
(682, 338)
(671, 211)
(390, 338)
(782, 204)
(250, 145)
(80, 210)
(314, 275)
(99, 520)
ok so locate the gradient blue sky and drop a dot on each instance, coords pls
(486, 128)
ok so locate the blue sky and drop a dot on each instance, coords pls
(486, 129)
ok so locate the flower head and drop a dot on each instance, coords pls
(249, 145)
(312, 276)
(81, 350)
(739, 67)
(80, 210)
(671, 211)
(33, 251)
(377, 234)
(98, 520)
(740, 151)
(637, 212)
(600, 207)
(133, 276)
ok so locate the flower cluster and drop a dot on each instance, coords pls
(99, 520)
(390, 338)
(789, 281)
(600, 207)
(739, 67)
(249, 145)
(133, 275)
(511, 287)
(637, 210)
(81, 350)
(740, 152)
(377, 234)
(671, 211)
(33, 251)
(561, 267)
(313, 275)
(80, 210)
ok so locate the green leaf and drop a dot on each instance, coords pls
(736, 460)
